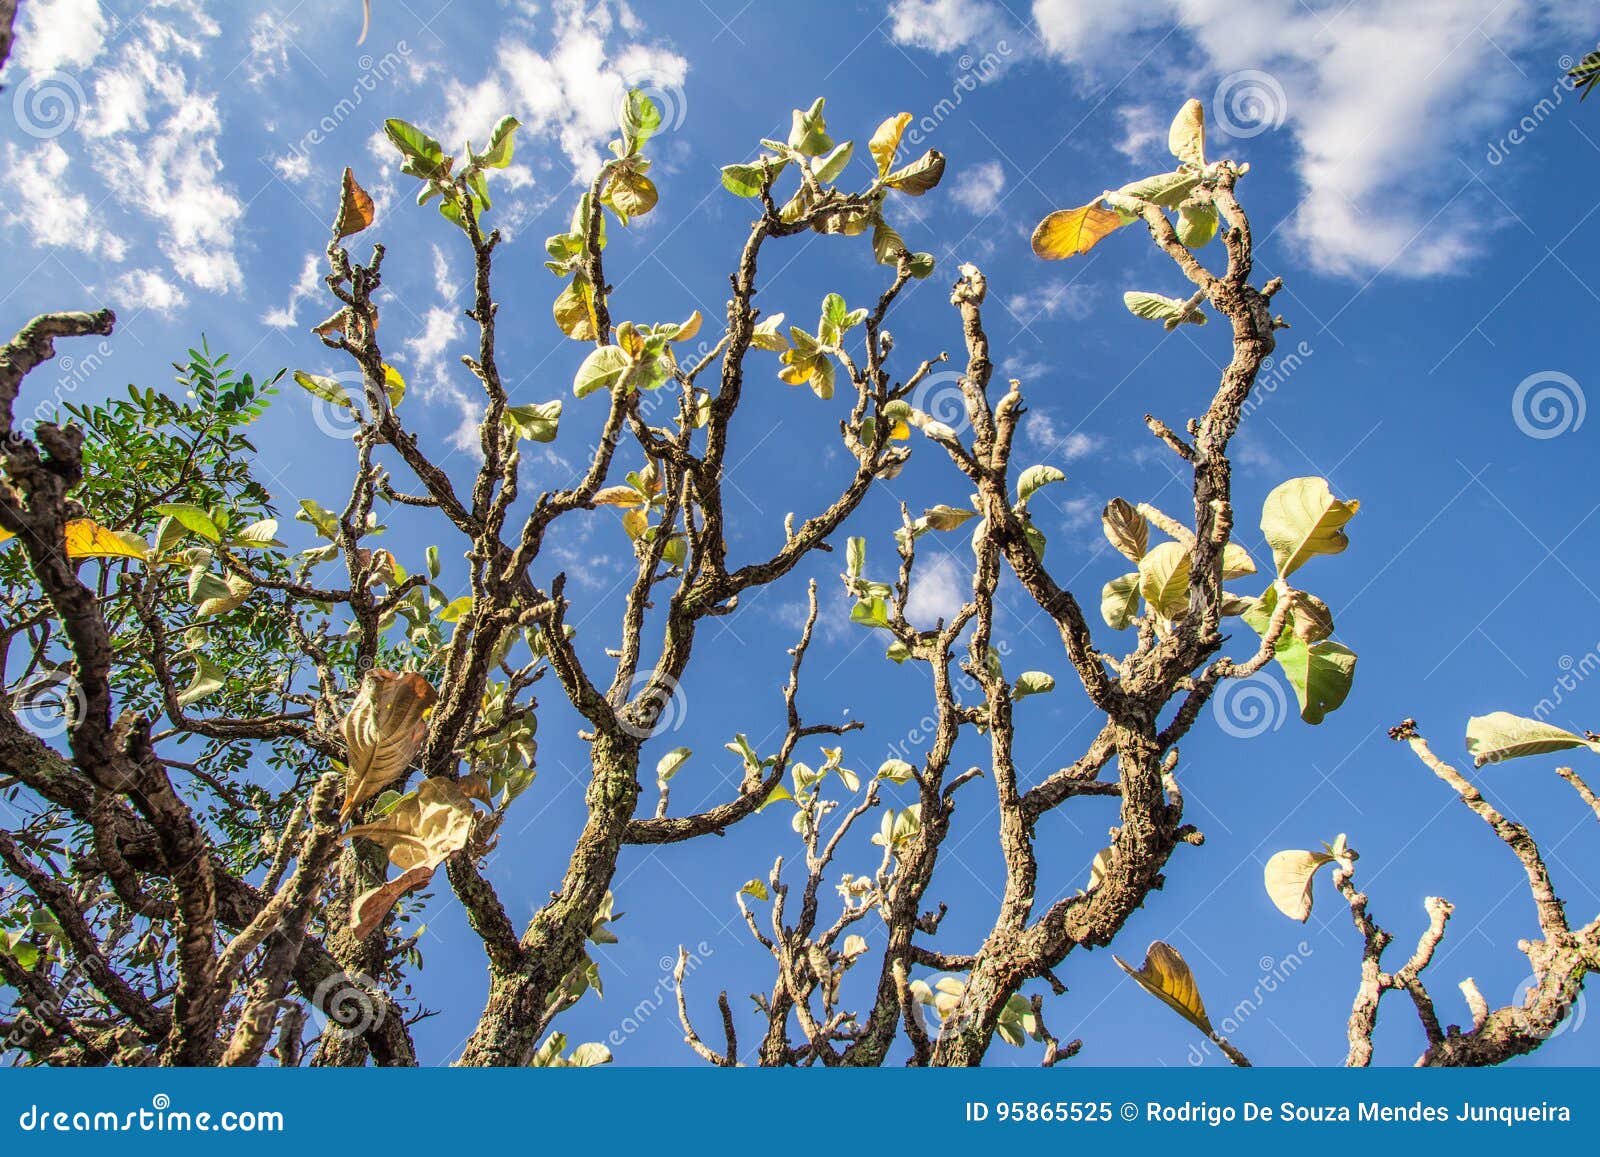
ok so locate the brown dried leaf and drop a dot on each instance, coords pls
(424, 828)
(383, 732)
(371, 907)
(355, 208)
(1126, 529)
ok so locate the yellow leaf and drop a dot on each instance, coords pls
(617, 496)
(574, 311)
(355, 208)
(886, 141)
(1187, 136)
(1288, 879)
(635, 522)
(1166, 977)
(1068, 232)
(6, 535)
(383, 732)
(87, 539)
(689, 328)
(239, 589)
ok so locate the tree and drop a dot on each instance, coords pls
(380, 730)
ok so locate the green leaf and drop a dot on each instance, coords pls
(809, 131)
(1165, 189)
(1119, 601)
(1500, 735)
(831, 166)
(208, 679)
(1301, 519)
(919, 176)
(1197, 226)
(328, 389)
(896, 771)
(943, 517)
(872, 612)
(1164, 579)
(536, 421)
(1033, 683)
(424, 156)
(1035, 477)
(855, 556)
(498, 154)
(601, 370)
(669, 764)
(745, 180)
(639, 119)
(192, 519)
(1154, 307)
(1320, 673)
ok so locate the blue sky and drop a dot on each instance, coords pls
(1420, 179)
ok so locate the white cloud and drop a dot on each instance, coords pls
(71, 222)
(1053, 298)
(944, 25)
(571, 92)
(270, 37)
(140, 289)
(1379, 96)
(977, 189)
(1047, 436)
(305, 288)
(147, 132)
(938, 589)
(59, 34)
